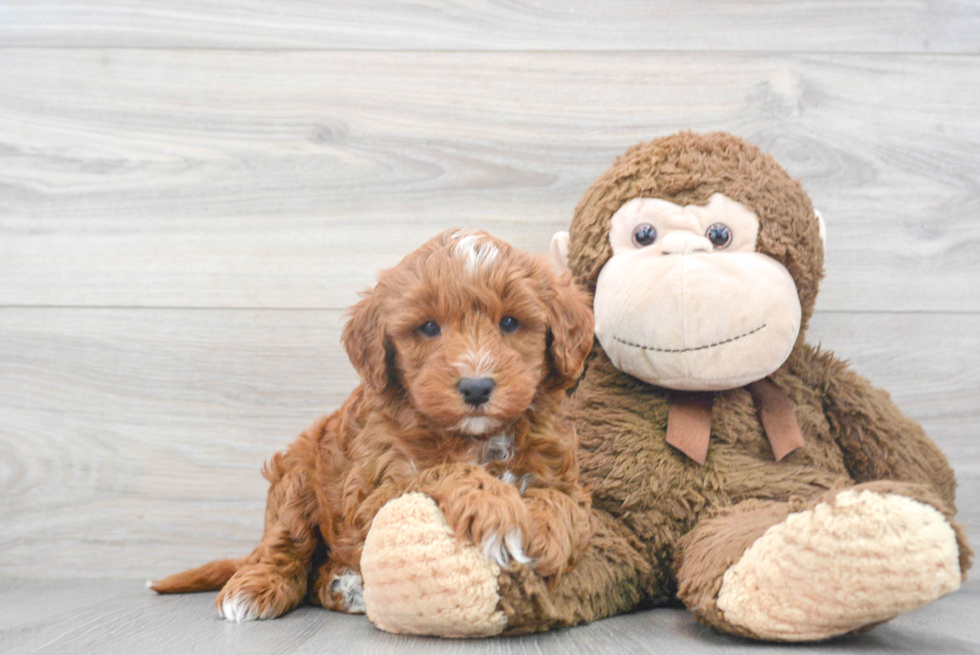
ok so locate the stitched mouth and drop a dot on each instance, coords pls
(687, 350)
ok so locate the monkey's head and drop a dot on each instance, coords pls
(704, 257)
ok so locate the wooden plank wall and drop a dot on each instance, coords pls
(191, 193)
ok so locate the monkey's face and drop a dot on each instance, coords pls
(687, 303)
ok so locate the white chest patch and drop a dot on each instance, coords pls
(499, 448)
(522, 482)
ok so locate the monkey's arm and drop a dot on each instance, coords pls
(878, 441)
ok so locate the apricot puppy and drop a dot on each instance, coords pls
(465, 351)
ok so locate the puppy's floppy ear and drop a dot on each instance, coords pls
(365, 342)
(571, 328)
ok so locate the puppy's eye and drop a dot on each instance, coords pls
(644, 234)
(430, 329)
(719, 235)
(508, 324)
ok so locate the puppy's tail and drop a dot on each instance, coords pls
(210, 577)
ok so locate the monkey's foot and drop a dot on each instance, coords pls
(419, 580)
(854, 561)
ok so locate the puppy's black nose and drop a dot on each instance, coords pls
(476, 391)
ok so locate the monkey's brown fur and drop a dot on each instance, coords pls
(666, 528)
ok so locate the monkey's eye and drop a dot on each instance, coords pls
(644, 234)
(430, 329)
(508, 324)
(719, 235)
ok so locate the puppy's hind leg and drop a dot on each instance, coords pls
(339, 588)
(274, 578)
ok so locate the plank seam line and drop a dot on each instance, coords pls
(879, 53)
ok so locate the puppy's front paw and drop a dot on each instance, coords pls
(493, 515)
(503, 549)
(257, 592)
(482, 510)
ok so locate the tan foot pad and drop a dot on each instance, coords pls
(418, 580)
(827, 571)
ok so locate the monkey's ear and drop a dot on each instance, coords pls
(559, 251)
(571, 329)
(822, 226)
(365, 342)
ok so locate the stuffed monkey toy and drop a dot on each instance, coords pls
(734, 468)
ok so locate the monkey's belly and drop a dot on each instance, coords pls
(660, 494)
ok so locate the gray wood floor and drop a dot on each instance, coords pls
(72, 616)
(192, 192)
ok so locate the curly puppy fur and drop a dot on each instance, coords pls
(465, 306)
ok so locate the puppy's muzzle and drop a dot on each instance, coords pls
(475, 391)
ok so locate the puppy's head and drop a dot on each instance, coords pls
(471, 330)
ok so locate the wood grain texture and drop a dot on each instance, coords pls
(82, 617)
(658, 25)
(191, 190)
(131, 440)
(286, 179)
